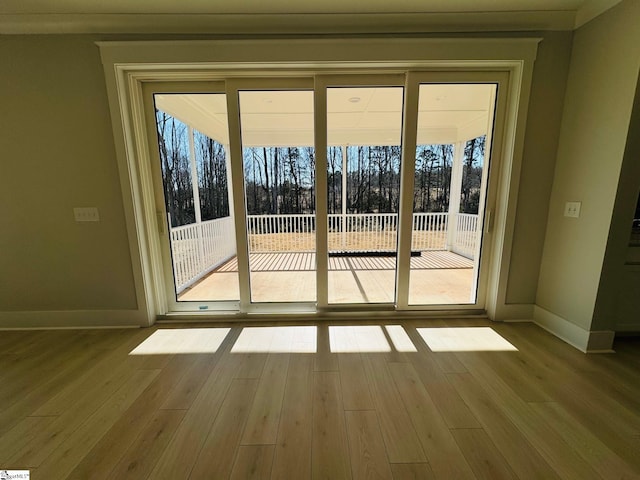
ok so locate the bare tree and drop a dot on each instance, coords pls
(472, 174)
(176, 171)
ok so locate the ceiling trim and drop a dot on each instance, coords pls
(591, 9)
(290, 24)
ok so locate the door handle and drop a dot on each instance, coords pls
(488, 222)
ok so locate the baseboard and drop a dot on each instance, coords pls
(515, 312)
(72, 319)
(584, 340)
(601, 341)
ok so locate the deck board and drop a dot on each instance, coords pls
(305, 261)
(437, 277)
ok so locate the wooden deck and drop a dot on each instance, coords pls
(278, 262)
(437, 277)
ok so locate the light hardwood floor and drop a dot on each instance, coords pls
(425, 399)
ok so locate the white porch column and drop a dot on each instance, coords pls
(194, 176)
(196, 197)
(227, 164)
(343, 197)
(455, 190)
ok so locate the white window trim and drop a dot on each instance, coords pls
(127, 65)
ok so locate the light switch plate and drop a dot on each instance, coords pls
(572, 209)
(86, 214)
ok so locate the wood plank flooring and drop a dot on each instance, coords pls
(376, 404)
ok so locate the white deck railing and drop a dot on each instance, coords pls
(360, 232)
(196, 249)
(430, 231)
(465, 235)
(281, 233)
(199, 248)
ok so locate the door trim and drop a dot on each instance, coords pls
(128, 65)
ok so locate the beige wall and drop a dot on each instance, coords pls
(536, 178)
(56, 153)
(602, 79)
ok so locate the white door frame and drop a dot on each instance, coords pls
(234, 86)
(489, 187)
(322, 83)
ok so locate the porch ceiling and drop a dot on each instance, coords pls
(356, 116)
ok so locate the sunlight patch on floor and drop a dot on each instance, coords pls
(358, 339)
(465, 339)
(276, 340)
(182, 340)
(400, 339)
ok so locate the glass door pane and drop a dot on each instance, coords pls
(194, 162)
(453, 135)
(279, 168)
(364, 127)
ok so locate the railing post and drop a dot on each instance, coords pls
(455, 190)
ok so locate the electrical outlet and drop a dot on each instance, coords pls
(86, 214)
(572, 209)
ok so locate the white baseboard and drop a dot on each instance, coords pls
(584, 340)
(72, 319)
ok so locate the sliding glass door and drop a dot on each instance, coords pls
(364, 126)
(454, 125)
(193, 166)
(277, 135)
(325, 191)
